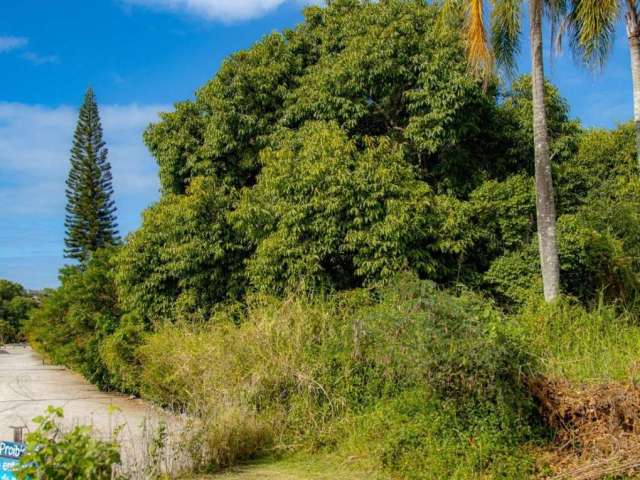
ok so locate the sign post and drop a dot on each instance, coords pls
(10, 453)
(17, 433)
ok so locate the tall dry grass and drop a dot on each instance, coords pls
(301, 374)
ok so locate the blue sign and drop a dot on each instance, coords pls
(10, 454)
(7, 466)
(12, 450)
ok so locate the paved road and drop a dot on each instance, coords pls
(27, 387)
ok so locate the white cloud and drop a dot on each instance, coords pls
(38, 59)
(34, 156)
(225, 10)
(34, 160)
(12, 43)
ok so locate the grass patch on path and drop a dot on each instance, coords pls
(296, 469)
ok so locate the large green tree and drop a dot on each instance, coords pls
(330, 155)
(91, 212)
(335, 154)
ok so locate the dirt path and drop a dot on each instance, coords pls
(313, 468)
(27, 387)
(277, 472)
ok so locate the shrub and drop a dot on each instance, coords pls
(597, 255)
(298, 370)
(460, 346)
(118, 352)
(7, 332)
(515, 277)
(73, 320)
(15, 306)
(427, 438)
(53, 454)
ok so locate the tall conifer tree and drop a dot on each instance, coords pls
(91, 212)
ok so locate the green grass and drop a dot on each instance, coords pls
(324, 468)
(586, 346)
(408, 379)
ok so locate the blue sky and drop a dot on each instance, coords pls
(140, 56)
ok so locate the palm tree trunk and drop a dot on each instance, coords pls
(545, 202)
(633, 33)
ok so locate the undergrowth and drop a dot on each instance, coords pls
(402, 379)
(405, 378)
(582, 345)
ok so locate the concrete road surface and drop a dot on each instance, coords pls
(27, 387)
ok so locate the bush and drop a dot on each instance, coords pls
(298, 370)
(597, 256)
(7, 332)
(53, 454)
(460, 345)
(118, 352)
(74, 320)
(15, 306)
(423, 437)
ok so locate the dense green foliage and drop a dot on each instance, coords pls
(349, 149)
(15, 305)
(342, 148)
(91, 213)
(332, 215)
(53, 454)
(185, 258)
(345, 256)
(75, 318)
(329, 373)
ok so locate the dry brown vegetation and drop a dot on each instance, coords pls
(597, 428)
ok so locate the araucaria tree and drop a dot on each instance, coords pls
(505, 36)
(91, 212)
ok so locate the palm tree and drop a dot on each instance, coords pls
(591, 25)
(633, 33)
(501, 49)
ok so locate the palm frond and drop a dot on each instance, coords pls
(478, 48)
(556, 12)
(505, 32)
(591, 24)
